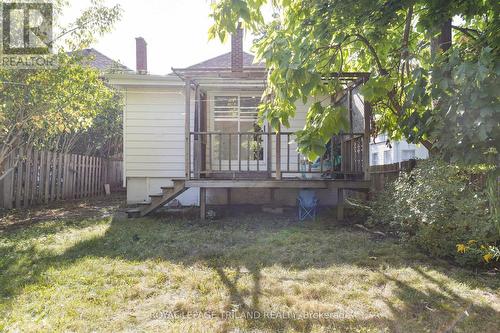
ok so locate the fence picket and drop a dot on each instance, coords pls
(41, 177)
(66, 176)
(96, 174)
(73, 176)
(27, 179)
(19, 177)
(34, 177)
(98, 183)
(47, 176)
(92, 175)
(88, 178)
(80, 177)
(84, 176)
(59, 177)
(96, 162)
(41, 190)
(99, 176)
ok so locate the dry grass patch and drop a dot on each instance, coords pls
(256, 273)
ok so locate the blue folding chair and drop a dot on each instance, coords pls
(308, 205)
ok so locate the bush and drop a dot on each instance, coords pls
(443, 209)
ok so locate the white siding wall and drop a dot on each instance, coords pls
(154, 141)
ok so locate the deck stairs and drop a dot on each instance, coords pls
(159, 200)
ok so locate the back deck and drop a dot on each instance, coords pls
(270, 159)
(253, 157)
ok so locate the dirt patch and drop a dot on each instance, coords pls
(63, 210)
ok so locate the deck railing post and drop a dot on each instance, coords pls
(343, 154)
(197, 138)
(187, 129)
(288, 152)
(249, 138)
(220, 151)
(269, 151)
(278, 153)
(239, 152)
(366, 141)
(210, 152)
(230, 153)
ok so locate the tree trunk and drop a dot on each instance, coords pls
(442, 42)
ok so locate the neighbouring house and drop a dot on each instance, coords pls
(193, 136)
(395, 152)
(104, 64)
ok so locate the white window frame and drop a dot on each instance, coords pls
(213, 119)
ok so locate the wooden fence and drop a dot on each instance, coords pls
(34, 177)
(382, 174)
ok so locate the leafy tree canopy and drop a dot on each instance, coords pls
(434, 66)
(59, 107)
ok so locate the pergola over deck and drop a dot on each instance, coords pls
(279, 170)
(198, 140)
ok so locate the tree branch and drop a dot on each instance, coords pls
(467, 31)
(382, 71)
(406, 52)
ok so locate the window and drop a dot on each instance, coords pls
(375, 160)
(233, 108)
(387, 157)
(408, 154)
(237, 114)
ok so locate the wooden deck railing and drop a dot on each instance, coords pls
(271, 155)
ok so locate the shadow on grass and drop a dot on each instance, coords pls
(253, 243)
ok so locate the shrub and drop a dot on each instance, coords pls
(443, 209)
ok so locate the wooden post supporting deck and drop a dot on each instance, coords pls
(203, 203)
(187, 126)
(340, 204)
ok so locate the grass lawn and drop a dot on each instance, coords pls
(243, 273)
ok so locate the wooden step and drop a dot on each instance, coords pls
(133, 212)
(167, 190)
(160, 199)
(169, 194)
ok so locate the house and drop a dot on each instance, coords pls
(397, 151)
(95, 59)
(193, 135)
